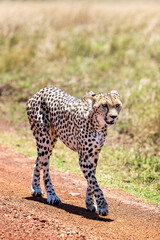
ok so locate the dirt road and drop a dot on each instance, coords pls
(25, 217)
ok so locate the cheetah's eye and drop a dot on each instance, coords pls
(118, 105)
(105, 105)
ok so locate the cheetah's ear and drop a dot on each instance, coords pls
(114, 92)
(89, 97)
(89, 94)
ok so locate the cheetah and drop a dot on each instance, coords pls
(81, 124)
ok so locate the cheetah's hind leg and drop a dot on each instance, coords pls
(49, 139)
(36, 190)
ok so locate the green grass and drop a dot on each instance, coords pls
(97, 48)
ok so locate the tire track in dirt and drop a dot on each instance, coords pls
(23, 216)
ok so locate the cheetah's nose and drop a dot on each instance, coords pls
(113, 116)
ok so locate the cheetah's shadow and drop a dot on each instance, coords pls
(73, 209)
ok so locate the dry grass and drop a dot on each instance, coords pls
(95, 46)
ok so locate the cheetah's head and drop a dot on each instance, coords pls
(105, 106)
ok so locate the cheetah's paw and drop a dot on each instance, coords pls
(102, 211)
(36, 191)
(53, 200)
(90, 207)
(102, 208)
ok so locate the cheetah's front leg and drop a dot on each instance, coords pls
(93, 189)
(90, 199)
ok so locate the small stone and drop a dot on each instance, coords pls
(74, 194)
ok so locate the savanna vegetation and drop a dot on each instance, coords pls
(82, 46)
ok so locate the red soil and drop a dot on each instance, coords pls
(25, 217)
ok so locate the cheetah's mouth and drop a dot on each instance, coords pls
(110, 123)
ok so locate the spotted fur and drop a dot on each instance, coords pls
(81, 124)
